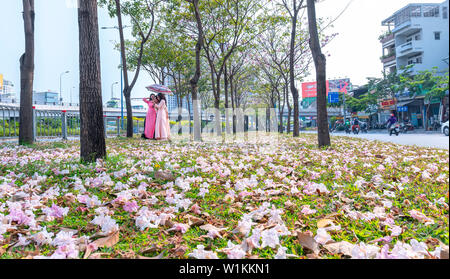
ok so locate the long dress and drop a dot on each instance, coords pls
(162, 131)
(150, 121)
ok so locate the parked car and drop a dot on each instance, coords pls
(444, 128)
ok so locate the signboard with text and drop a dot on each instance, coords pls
(333, 97)
(309, 89)
(387, 103)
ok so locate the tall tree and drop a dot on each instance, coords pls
(92, 137)
(142, 14)
(293, 7)
(321, 79)
(26, 76)
(225, 33)
(196, 77)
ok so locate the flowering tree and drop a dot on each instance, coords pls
(142, 14)
(272, 54)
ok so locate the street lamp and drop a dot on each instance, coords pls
(60, 82)
(71, 89)
(112, 92)
(121, 75)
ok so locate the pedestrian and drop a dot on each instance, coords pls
(162, 128)
(150, 119)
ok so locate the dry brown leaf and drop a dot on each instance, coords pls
(444, 253)
(160, 256)
(194, 221)
(108, 241)
(312, 256)
(209, 227)
(324, 223)
(308, 242)
(164, 175)
(98, 255)
(161, 193)
(180, 251)
(151, 249)
(342, 247)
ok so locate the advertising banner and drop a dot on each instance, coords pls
(309, 89)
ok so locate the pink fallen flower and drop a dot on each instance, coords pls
(179, 228)
(131, 206)
(19, 216)
(307, 210)
(56, 211)
(196, 209)
(421, 217)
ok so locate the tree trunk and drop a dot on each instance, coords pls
(189, 113)
(227, 116)
(180, 111)
(289, 109)
(294, 90)
(233, 105)
(320, 63)
(27, 76)
(195, 79)
(127, 90)
(92, 137)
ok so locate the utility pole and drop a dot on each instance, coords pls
(112, 91)
(60, 87)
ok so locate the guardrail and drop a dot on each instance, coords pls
(58, 124)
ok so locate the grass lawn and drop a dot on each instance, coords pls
(276, 197)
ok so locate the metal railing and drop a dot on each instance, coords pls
(58, 124)
(9, 122)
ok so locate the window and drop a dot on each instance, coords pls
(417, 37)
(415, 60)
(437, 35)
(444, 12)
(430, 11)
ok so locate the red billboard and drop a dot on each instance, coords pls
(309, 89)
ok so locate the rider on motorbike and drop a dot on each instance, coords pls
(355, 125)
(392, 120)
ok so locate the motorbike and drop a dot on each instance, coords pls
(394, 129)
(347, 129)
(356, 129)
(405, 127)
(364, 127)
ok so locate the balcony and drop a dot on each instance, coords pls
(386, 38)
(387, 58)
(409, 48)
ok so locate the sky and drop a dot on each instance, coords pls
(354, 53)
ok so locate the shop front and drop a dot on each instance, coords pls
(411, 110)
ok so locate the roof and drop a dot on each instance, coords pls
(391, 19)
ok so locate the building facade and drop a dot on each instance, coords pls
(417, 35)
(46, 98)
(7, 92)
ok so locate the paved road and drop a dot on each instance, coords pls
(434, 140)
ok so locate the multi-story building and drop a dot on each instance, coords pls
(7, 92)
(417, 35)
(46, 98)
(172, 104)
(172, 101)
